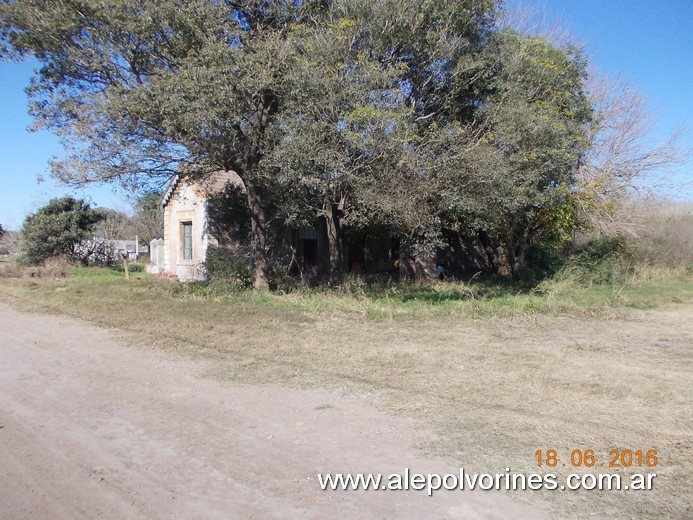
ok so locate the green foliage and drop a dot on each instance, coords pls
(134, 267)
(227, 269)
(410, 118)
(57, 229)
(601, 261)
(533, 137)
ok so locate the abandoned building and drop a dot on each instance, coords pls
(210, 214)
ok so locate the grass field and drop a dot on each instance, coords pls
(496, 372)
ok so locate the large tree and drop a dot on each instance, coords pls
(511, 184)
(404, 116)
(379, 82)
(145, 88)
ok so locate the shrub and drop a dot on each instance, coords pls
(57, 229)
(225, 267)
(601, 261)
(134, 267)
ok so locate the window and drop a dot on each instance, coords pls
(186, 234)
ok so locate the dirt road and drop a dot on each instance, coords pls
(93, 428)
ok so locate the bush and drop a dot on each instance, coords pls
(134, 267)
(222, 266)
(57, 229)
(601, 261)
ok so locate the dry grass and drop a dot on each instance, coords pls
(53, 268)
(58, 268)
(668, 234)
(660, 231)
(492, 380)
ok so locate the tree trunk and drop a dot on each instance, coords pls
(497, 254)
(519, 251)
(259, 238)
(333, 241)
(518, 259)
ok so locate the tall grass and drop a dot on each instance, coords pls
(57, 267)
(666, 236)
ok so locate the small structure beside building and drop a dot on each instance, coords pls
(156, 256)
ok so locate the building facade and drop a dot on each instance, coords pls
(188, 226)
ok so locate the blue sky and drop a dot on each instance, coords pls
(24, 156)
(648, 43)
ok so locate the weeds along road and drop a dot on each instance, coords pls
(93, 428)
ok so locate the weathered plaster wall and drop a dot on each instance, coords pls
(186, 205)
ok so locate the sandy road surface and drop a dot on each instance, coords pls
(93, 428)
